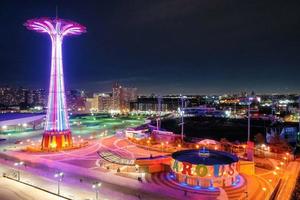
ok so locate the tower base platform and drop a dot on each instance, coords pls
(57, 140)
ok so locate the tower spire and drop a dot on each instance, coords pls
(56, 12)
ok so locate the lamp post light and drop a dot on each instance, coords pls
(179, 146)
(275, 174)
(96, 187)
(287, 155)
(162, 146)
(148, 142)
(281, 164)
(158, 121)
(17, 165)
(285, 159)
(60, 177)
(265, 192)
(8, 137)
(182, 118)
(298, 120)
(249, 116)
(136, 167)
(4, 127)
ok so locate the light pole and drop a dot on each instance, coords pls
(249, 116)
(265, 192)
(162, 146)
(17, 165)
(182, 118)
(59, 176)
(136, 167)
(275, 174)
(8, 138)
(298, 120)
(148, 142)
(96, 187)
(159, 113)
(3, 128)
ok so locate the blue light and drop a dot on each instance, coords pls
(212, 188)
(197, 187)
(183, 184)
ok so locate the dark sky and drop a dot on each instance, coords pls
(159, 46)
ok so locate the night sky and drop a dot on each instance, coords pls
(176, 46)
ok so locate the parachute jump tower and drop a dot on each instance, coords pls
(57, 133)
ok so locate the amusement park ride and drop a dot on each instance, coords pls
(57, 133)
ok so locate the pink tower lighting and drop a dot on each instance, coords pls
(57, 133)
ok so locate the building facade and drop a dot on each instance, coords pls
(121, 98)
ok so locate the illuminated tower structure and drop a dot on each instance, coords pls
(57, 133)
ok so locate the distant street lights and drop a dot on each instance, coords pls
(96, 187)
(59, 176)
(17, 165)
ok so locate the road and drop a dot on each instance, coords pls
(289, 180)
(12, 190)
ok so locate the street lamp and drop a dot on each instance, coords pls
(8, 137)
(136, 167)
(281, 164)
(249, 116)
(275, 174)
(59, 176)
(179, 146)
(162, 146)
(182, 117)
(285, 159)
(4, 127)
(265, 192)
(148, 142)
(17, 165)
(96, 187)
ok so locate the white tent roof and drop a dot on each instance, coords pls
(23, 120)
(208, 141)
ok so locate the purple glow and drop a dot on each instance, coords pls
(57, 122)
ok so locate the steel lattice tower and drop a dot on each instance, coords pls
(57, 133)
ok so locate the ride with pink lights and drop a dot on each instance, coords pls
(57, 134)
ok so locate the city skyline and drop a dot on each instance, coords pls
(165, 99)
(227, 47)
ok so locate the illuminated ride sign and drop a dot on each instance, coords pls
(203, 171)
(204, 168)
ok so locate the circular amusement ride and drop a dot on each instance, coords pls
(205, 168)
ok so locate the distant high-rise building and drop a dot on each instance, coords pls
(37, 97)
(91, 104)
(104, 102)
(75, 100)
(12, 96)
(121, 98)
